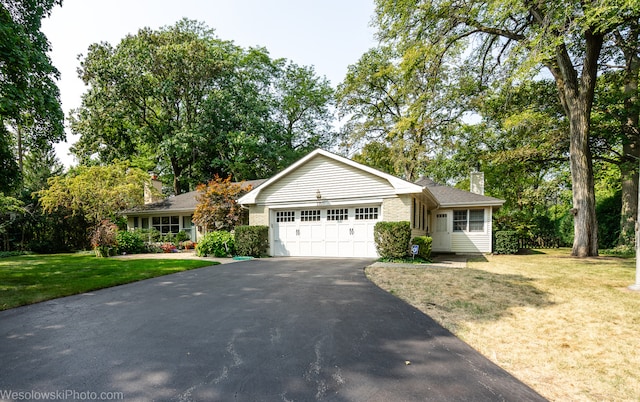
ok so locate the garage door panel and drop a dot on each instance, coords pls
(331, 232)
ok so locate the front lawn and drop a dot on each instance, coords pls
(30, 279)
(566, 326)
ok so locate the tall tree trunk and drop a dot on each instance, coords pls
(631, 130)
(177, 172)
(576, 95)
(585, 241)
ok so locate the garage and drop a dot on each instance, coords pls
(345, 231)
(325, 205)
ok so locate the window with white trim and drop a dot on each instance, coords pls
(339, 214)
(468, 220)
(476, 220)
(311, 215)
(460, 221)
(367, 213)
(166, 224)
(285, 216)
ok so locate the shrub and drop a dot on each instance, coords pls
(424, 246)
(217, 244)
(252, 240)
(507, 242)
(103, 238)
(130, 242)
(392, 239)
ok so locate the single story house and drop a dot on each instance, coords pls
(172, 214)
(325, 205)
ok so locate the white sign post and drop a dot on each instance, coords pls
(636, 286)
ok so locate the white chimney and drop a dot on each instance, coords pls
(477, 183)
(155, 195)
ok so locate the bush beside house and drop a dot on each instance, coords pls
(252, 240)
(424, 246)
(216, 244)
(392, 239)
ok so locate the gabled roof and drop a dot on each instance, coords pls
(399, 185)
(185, 202)
(447, 196)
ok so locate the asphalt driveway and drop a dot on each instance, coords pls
(285, 329)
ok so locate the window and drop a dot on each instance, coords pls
(166, 224)
(310, 215)
(460, 221)
(285, 216)
(135, 222)
(468, 220)
(186, 222)
(441, 223)
(476, 220)
(145, 223)
(337, 214)
(367, 213)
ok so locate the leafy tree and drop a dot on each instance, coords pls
(9, 207)
(189, 105)
(95, 192)
(147, 92)
(407, 113)
(516, 36)
(29, 96)
(217, 207)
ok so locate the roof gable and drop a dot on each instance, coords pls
(333, 176)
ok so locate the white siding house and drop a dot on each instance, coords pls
(325, 205)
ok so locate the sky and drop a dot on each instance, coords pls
(328, 34)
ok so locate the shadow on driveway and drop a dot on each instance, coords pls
(287, 329)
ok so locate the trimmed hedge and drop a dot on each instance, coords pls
(217, 244)
(424, 246)
(252, 240)
(507, 242)
(392, 239)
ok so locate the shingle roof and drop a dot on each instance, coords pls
(183, 202)
(447, 196)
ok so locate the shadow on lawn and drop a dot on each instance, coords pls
(453, 297)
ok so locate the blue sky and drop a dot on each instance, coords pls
(328, 34)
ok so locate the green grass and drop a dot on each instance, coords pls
(30, 279)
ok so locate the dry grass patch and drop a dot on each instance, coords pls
(567, 327)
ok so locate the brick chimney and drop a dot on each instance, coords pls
(477, 183)
(155, 195)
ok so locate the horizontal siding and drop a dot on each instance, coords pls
(334, 179)
(470, 243)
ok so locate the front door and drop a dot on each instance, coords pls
(442, 233)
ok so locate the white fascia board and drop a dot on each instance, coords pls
(472, 204)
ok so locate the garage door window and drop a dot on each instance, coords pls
(310, 215)
(285, 216)
(337, 214)
(366, 213)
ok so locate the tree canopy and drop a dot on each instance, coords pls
(30, 112)
(189, 105)
(95, 192)
(505, 42)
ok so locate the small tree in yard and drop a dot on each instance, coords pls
(217, 207)
(104, 238)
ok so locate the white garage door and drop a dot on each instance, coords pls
(325, 232)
